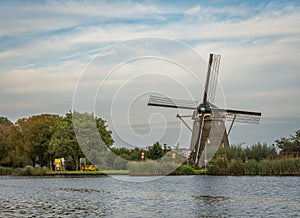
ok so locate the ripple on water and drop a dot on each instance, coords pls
(167, 197)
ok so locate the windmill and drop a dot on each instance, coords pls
(208, 120)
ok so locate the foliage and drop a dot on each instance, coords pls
(257, 152)
(12, 153)
(148, 168)
(42, 138)
(7, 171)
(5, 129)
(276, 167)
(64, 144)
(30, 171)
(251, 168)
(258, 159)
(154, 168)
(94, 139)
(120, 164)
(5, 122)
(36, 133)
(291, 145)
(184, 170)
(236, 167)
(155, 152)
(218, 166)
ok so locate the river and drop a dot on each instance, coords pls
(170, 196)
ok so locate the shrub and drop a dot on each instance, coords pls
(149, 168)
(265, 168)
(251, 168)
(120, 164)
(6, 171)
(236, 168)
(217, 166)
(184, 170)
(30, 171)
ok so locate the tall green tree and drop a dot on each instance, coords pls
(104, 132)
(95, 139)
(36, 132)
(290, 145)
(17, 156)
(12, 152)
(155, 152)
(63, 141)
(81, 134)
(5, 126)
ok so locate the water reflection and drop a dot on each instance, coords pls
(179, 196)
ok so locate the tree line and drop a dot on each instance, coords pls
(39, 139)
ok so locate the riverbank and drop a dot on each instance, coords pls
(30, 171)
(265, 167)
(88, 173)
(218, 166)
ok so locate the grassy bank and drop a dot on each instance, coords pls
(26, 171)
(74, 173)
(136, 169)
(30, 171)
(236, 167)
(152, 168)
(218, 166)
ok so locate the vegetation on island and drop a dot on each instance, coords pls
(259, 159)
(29, 147)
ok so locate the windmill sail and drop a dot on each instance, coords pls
(213, 78)
(172, 103)
(239, 115)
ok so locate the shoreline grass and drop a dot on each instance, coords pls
(218, 166)
(97, 172)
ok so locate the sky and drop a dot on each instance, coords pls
(49, 51)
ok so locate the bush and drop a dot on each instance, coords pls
(30, 171)
(265, 168)
(289, 166)
(6, 171)
(120, 164)
(217, 166)
(149, 168)
(251, 168)
(184, 170)
(236, 168)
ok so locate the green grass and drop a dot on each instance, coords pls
(104, 172)
(200, 172)
(180, 170)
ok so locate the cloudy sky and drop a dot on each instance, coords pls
(46, 47)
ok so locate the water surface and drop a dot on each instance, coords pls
(172, 196)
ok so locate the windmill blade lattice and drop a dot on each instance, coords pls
(243, 118)
(238, 115)
(213, 79)
(172, 103)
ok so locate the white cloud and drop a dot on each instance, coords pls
(46, 46)
(193, 11)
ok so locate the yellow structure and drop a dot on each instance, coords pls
(57, 164)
